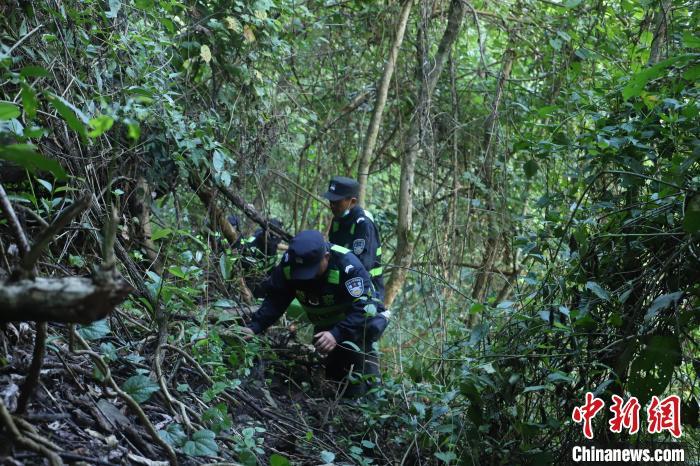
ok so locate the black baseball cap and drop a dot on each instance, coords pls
(305, 252)
(342, 187)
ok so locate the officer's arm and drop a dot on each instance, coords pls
(278, 298)
(352, 326)
(364, 242)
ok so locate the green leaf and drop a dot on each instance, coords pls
(652, 369)
(279, 460)
(29, 101)
(534, 388)
(8, 111)
(638, 81)
(160, 233)
(225, 267)
(446, 456)
(26, 156)
(690, 40)
(691, 217)
(173, 435)
(598, 291)
(662, 302)
(133, 131)
(140, 388)
(95, 330)
(572, 3)
(144, 4)
(70, 114)
(559, 376)
(476, 308)
(692, 73)
(327, 456)
(100, 125)
(32, 71)
(201, 444)
(530, 168)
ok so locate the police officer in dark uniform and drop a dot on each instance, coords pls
(354, 228)
(258, 254)
(335, 290)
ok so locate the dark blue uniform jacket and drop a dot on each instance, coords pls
(341, 301)
(356, 231)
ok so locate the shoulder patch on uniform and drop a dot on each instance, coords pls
(349, 268)
(360, 220)
(355, 287)
(358, 246)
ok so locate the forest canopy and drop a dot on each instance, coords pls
(532, 167)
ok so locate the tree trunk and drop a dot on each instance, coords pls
(404, 245)
(142, 210)
(378, 111)
(661, 17)
(481, 282)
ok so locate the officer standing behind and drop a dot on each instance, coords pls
(335, 290)
(354, 228)
(258, 254)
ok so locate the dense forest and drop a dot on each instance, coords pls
(532, 167)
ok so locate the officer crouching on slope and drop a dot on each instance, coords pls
(353, 227)
(337, 294)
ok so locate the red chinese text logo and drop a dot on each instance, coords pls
(662, 415)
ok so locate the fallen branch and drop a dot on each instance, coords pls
(250, 211)
(69, 299)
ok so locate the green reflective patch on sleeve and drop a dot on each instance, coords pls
(339, 249)
(287, 272)
(336, 226)
(375, 272)
(379, 252)
(334, 276)
(352, 229)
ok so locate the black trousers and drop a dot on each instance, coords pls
(359, 368)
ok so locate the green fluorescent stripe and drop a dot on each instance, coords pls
(287, 272)
(375, 272)
(352, 229)
(325, 315)
(336, 226)
(379, 252)
(340, 249)
(323, 311)
(334, 276)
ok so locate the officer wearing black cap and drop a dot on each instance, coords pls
(354, 228)
(336, 292)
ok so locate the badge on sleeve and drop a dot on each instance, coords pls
(355, 287)
(358, 246)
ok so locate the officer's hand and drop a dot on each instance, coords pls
(325, 342)
(247, 333)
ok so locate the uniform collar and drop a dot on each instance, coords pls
(352, 215)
